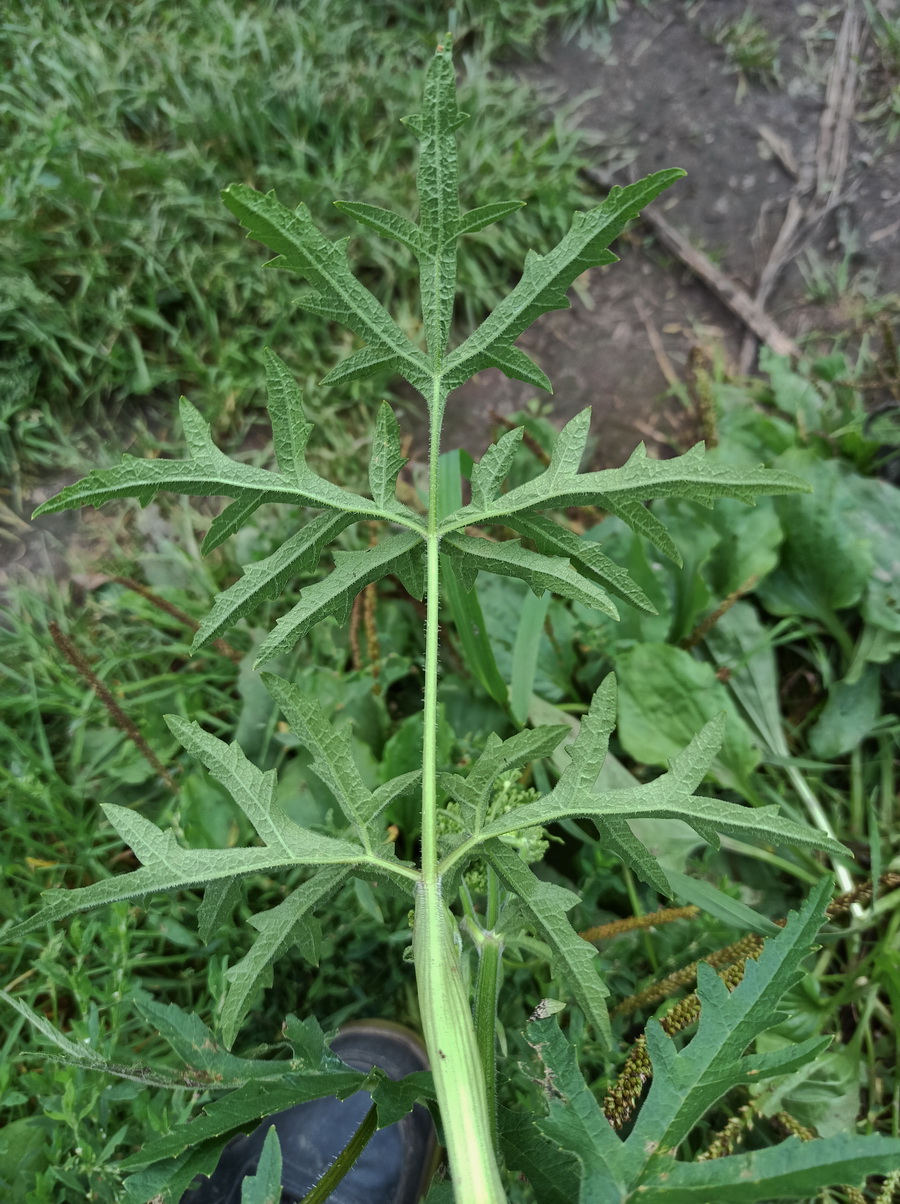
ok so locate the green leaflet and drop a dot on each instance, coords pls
(251, 789)
(203, 1056)
(574, 1121)
(332, 753)
(339, 295)
(471, 554)
(551, 1174)
(264, 1186)
(544, 282)
(493, 468)
(219, 901)
(82, 1055)
(621, 490)
(383, 221)
(438, 189)
(238, 1110)
(387, 459)
(277, 929)
(553, 540)
(588, 751)
(166, 1182)
(794, 1170)
(546, 905)
(290, 430)
(352, 572)
(266, 579)
(485, 215)
(687, 1082)
(230, 521)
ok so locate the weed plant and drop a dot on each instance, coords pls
(468, 840)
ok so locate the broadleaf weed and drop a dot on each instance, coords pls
(467, 840)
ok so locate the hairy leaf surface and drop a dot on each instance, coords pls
(266, 579)
(302, 248)
(544, 282)
(546, 905)
(352, 572)
(509, 559)
(621, 490)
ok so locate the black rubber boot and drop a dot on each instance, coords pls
(395, 1166)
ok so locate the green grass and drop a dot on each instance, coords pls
(123, 283)
(749, 48)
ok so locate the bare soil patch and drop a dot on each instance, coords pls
(792, 160)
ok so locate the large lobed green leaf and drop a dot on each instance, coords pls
(685, 1085)
(687, 1082)
(670, 796)
(165, 865)
(544, 282)
(338, 295)
(210, 473)
(622, 491)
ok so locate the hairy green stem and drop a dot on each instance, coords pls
(454, 1054)
(443, 997)
(487, 990)
(344, 1161)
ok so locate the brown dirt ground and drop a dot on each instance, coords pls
(657, 93)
